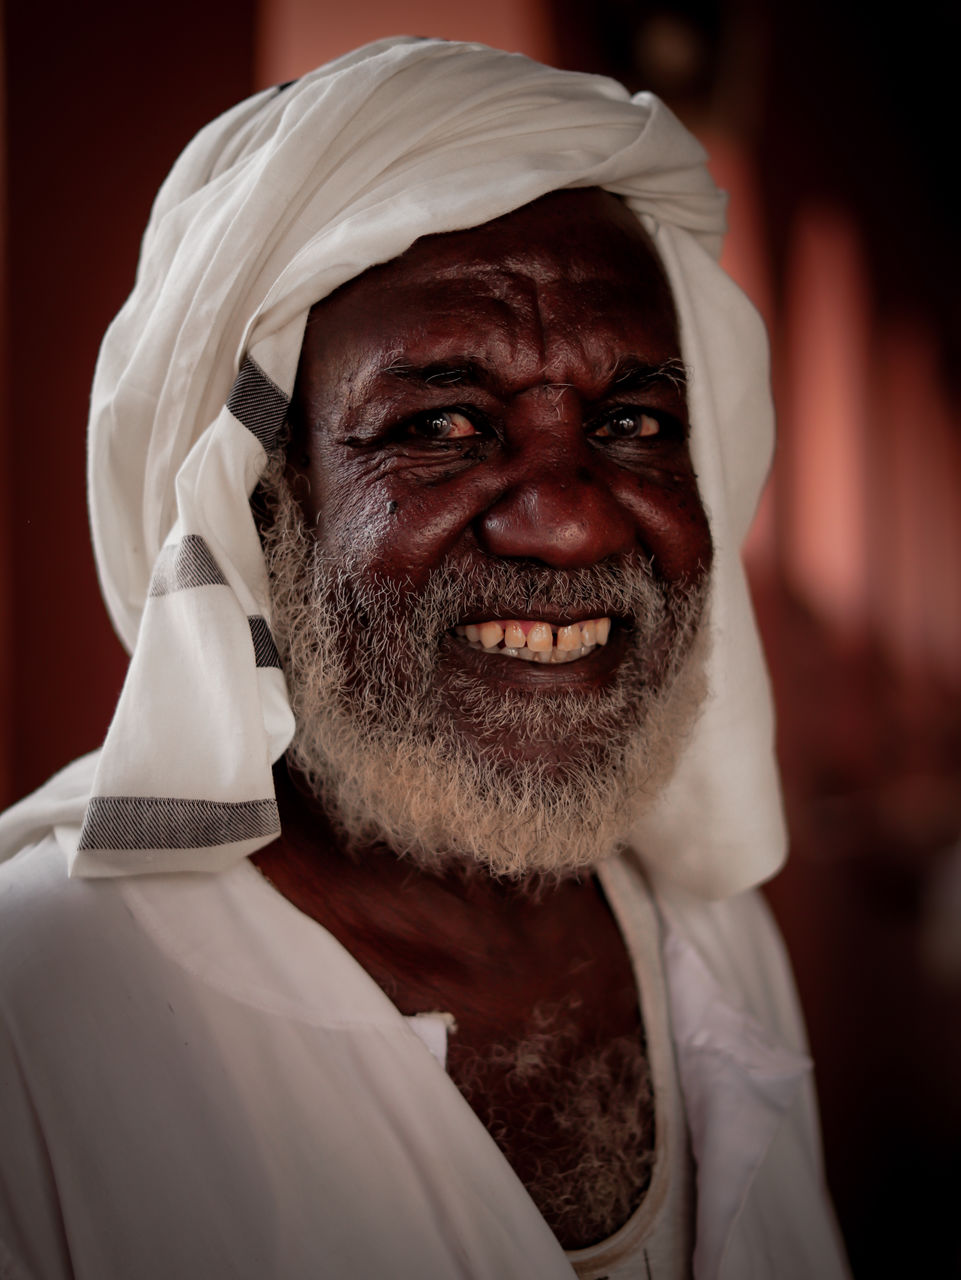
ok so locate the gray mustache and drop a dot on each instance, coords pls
(502, 589)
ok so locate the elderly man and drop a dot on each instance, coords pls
(407, 930)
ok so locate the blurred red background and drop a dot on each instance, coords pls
(834, 135)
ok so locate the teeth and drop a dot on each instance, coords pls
(543, 642)
(514, 637)
(540, 638)
(491, 634)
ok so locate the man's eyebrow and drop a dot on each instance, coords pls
(633, 375)
(439, 373)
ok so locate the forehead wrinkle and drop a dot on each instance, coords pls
(582, 328)
(504, 339)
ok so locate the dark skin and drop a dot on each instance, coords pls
(510, 391)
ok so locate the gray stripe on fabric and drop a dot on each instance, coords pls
(265, 651)
(153, 822)
(257, 403)
(188, 564)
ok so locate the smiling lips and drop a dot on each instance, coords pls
(537, 641)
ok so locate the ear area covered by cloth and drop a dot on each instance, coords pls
(729, 769)
(184, 776)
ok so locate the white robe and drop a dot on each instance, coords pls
(198, 1081)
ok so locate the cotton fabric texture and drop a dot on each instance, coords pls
(269, 209)
(211, 1109)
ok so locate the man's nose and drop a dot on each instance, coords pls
(557, 507)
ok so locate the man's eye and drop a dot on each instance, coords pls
(441, 424)
(628, 424)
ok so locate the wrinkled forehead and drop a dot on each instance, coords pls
(576, 261)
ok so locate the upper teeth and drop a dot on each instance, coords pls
(537, 641)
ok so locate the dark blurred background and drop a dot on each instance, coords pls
(834, 130)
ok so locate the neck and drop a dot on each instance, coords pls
(453, 941)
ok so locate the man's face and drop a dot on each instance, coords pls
(490, 450)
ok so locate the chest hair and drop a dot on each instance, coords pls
(574, 1118)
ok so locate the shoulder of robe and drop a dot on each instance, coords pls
(34, 883)
(49, 923)
(741, 946)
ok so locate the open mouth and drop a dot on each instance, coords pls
(533, 641)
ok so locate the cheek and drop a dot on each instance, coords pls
(350, 517)
(384, 524)
(673, 527)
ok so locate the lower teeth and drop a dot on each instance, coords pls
(552, 655)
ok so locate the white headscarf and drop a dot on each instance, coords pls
(270, 208)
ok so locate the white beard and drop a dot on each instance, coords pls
(374, 739)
